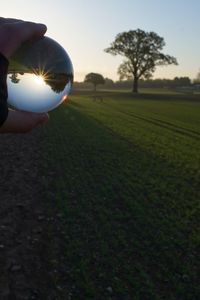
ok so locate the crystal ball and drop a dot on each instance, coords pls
(40, 76)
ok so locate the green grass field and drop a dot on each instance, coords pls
(126, 177)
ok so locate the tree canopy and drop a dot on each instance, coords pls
(95, 79)
(142, 51)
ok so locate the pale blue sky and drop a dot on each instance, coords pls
(86, 27)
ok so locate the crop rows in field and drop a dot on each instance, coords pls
(126, 175)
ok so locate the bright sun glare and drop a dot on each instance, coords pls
(39, 79)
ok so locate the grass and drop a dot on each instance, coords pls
(127, 180)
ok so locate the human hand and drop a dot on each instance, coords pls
(22, 121)
(13, 33)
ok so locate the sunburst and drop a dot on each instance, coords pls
(39, 79)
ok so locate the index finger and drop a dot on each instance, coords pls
(8, 20)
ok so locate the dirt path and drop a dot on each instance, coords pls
(25, 219)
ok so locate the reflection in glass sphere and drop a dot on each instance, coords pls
(40, 76)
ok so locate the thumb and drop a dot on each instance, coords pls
(42, 118)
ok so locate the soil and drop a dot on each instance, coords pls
(29, 226)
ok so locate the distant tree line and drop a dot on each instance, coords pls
(143, 53)
(197, 79)
(177, 82)
(158, 83)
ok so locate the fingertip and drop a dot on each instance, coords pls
(43, 27)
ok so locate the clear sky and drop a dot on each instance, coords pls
(86, 27)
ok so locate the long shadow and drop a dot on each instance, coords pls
(129, 213)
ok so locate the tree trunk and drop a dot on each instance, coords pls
(135, 85)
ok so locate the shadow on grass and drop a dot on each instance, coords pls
(130, 217)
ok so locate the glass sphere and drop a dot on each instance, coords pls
(40, 76)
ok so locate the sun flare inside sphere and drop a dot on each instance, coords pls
(39, 79)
